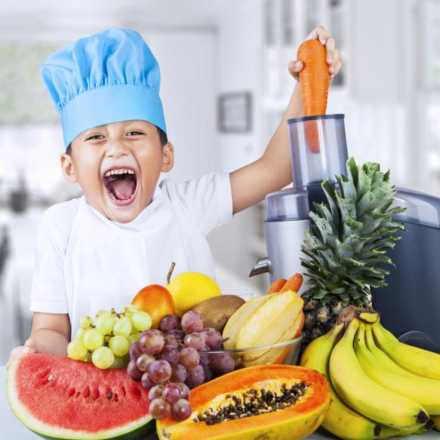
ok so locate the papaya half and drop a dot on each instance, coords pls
(266, 401)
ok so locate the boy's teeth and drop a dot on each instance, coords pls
(118, 171)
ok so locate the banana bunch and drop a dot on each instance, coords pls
(380, 387)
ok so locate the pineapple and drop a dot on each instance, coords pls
(345, 251)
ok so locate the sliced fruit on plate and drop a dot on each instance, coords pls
(238, 319)
(278, 355)
(271, 321)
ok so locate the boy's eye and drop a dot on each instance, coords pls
(135, 133)
(96, 136)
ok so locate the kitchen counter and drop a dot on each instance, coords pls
(11, 428)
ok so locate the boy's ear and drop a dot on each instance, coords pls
(167, 157)
(68, 167)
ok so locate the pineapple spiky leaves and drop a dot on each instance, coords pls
(345, 251)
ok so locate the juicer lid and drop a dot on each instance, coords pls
(422, 209)
(288, 204)
(315, 117)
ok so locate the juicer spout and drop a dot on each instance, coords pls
(263, 265)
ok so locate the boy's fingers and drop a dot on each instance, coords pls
(16, 353)
(319, 33)
(295, 67)
(29, 344)
(337, 66)
(330, 46)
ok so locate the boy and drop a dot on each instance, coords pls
(94, 252)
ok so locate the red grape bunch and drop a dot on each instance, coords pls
(177, 356)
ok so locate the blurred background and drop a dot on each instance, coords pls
(225, 86)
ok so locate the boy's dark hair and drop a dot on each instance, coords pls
(162, 136)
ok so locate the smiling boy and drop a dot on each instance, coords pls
(96, 251)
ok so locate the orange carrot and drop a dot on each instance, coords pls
(277, 285)
(314, 78)
(293, 283)
(314, 82)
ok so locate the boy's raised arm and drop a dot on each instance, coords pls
(272, 171)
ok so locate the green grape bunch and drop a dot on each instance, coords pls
(105, 339)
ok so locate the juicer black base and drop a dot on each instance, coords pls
(410, 305)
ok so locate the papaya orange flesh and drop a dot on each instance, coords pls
(294, 421)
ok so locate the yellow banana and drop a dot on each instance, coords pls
(420, 389)
(388, 432)
(364, 394)
(370, 317)
(381, 356)
(340, 420)
(418, 361)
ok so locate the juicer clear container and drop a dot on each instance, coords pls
(318, 148)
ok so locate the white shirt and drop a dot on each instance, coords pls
(85, 262)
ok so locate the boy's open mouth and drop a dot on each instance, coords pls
(121, 184)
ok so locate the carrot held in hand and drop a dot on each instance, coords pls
(314, 78)
(314, 81)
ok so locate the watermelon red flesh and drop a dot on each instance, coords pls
(66, 396)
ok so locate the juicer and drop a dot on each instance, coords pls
(318, 152)
(410, 305)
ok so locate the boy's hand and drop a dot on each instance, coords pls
(20, 351)
(333, 57)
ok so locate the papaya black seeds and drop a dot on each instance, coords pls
(253, 402)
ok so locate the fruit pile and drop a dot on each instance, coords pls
(381, 387)
(170, 354)
(106, 339)
(174, 358)
(168, 341)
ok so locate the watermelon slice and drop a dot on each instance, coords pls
(60, 398)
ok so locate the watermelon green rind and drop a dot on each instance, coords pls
(128, 431)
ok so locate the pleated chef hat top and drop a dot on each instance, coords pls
(107, 77)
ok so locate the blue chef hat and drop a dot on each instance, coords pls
(103, 78)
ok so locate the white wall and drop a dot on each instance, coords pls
(239, 66)
(187, 62)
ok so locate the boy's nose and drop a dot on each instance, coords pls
(115, 150)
